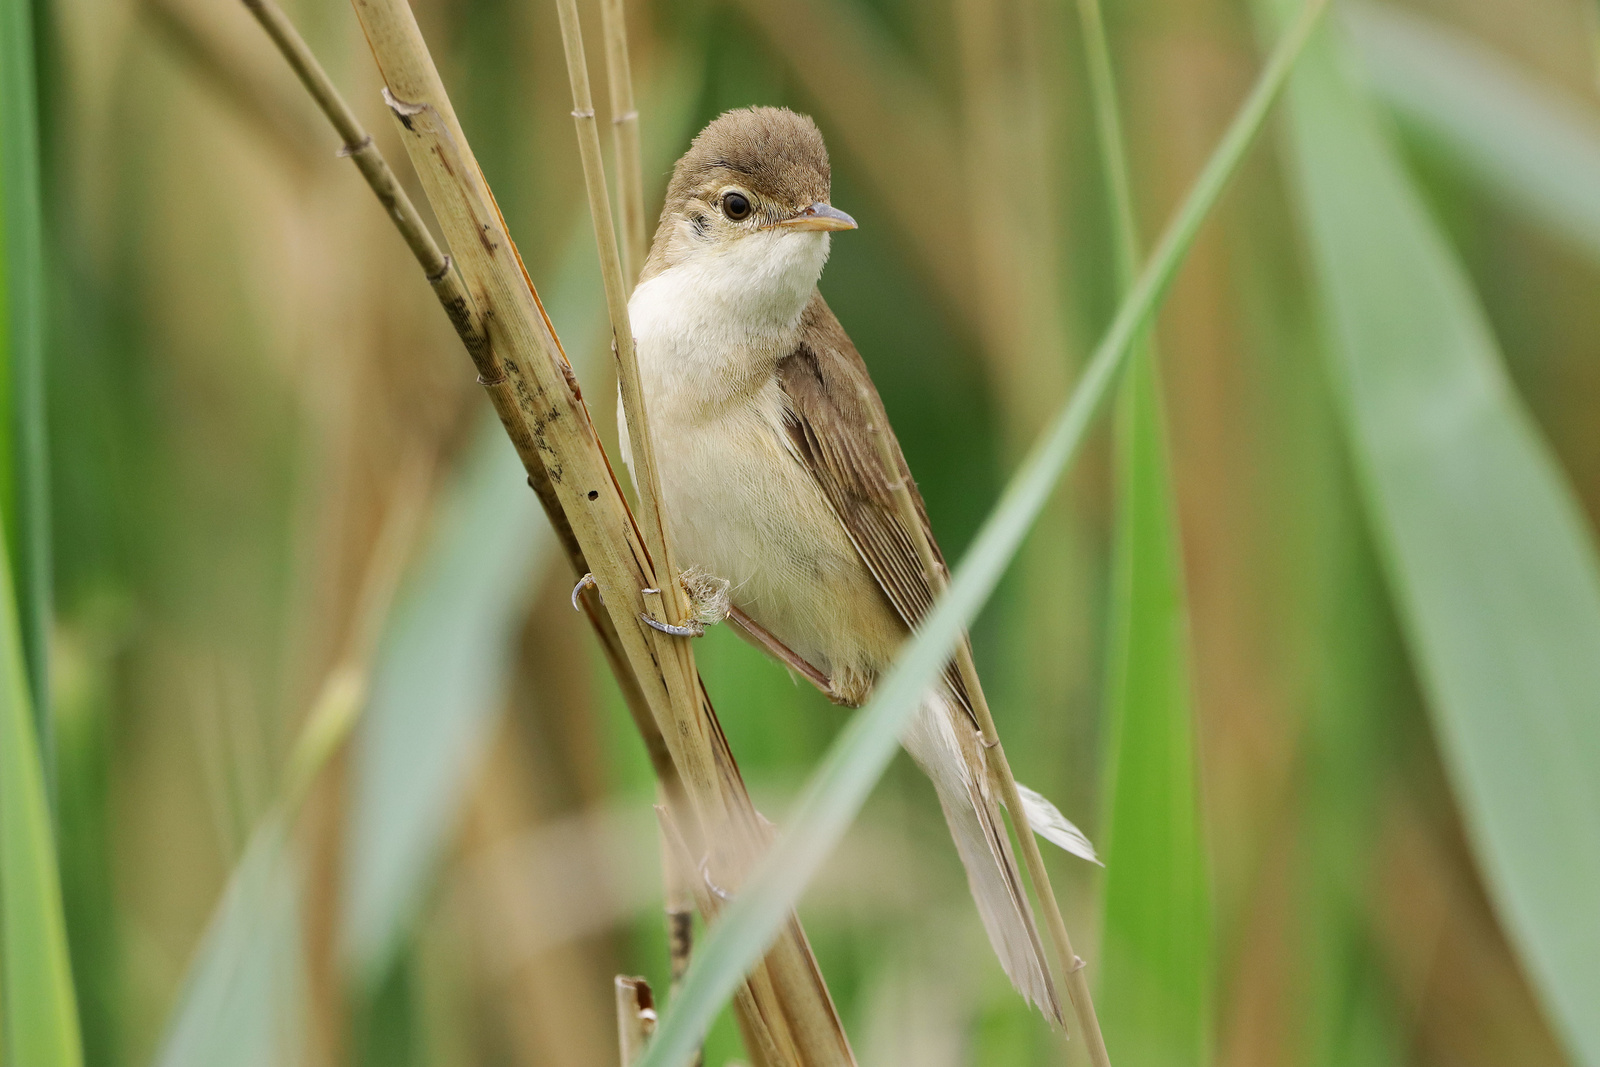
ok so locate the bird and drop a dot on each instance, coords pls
(776, 491)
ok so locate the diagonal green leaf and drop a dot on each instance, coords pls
(438, 685)
(867, 744)
(24, 490)
(446, 658)
(1489, 559)
(1530, 143)
(1156, 941)
(241, 994)
(238, 1001)
(41, 1017)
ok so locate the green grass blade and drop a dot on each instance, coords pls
(866, 745)
(1531, 145)
(40, 1015)
(237, 1005)
(1488, 557)
(1156, 943)
(24, 490)
(242, 994)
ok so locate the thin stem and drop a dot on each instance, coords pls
(1000, 768)
(358, 144)
(1113, 148)
(646, 478)
(625, 141)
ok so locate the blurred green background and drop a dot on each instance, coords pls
(259, 425)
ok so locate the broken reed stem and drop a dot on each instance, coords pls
(636, 1017)
(625, 141)
(679, 906)
(489, 299)
(999, 767)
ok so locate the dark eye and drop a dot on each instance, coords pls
(736, 206)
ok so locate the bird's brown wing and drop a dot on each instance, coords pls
(831, 409)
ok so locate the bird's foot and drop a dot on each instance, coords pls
(688, 629)
(709, 603)
(710, 597)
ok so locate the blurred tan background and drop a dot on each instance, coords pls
(259, 419)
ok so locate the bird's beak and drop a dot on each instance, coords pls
(818, 216)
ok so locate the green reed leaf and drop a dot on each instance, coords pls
(40, 1024)
(1528, 142)
(1490, 562)
(24, 479)
(1156, 943)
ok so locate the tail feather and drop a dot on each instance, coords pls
(944, 745)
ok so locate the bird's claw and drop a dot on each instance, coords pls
(709, 604)
(692, 628)
(586, 582)
(716, 890)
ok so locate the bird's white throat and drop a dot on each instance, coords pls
(723, 313)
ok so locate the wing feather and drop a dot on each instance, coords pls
(830, 403)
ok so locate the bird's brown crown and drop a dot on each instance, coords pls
(771, 151)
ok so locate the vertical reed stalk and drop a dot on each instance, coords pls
(668, 590)
(647, 480)
(634, 244)
(1000, 771)
(625, 141)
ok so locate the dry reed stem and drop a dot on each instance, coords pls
(1000, 771)
(520, 363)
(625, 141)
(619, 276)
(636, 1017)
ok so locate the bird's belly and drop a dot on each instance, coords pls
(741, 507)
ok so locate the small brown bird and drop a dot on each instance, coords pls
(764, 418)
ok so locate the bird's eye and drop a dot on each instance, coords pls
(736, 206)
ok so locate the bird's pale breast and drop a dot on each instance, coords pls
(741, 506)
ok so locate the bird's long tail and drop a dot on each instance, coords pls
(944, 744)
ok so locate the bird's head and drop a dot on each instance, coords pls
(750, 199)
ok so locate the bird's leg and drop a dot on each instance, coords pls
(709, 598)
(761, 636)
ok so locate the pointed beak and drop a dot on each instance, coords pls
(818, 216)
